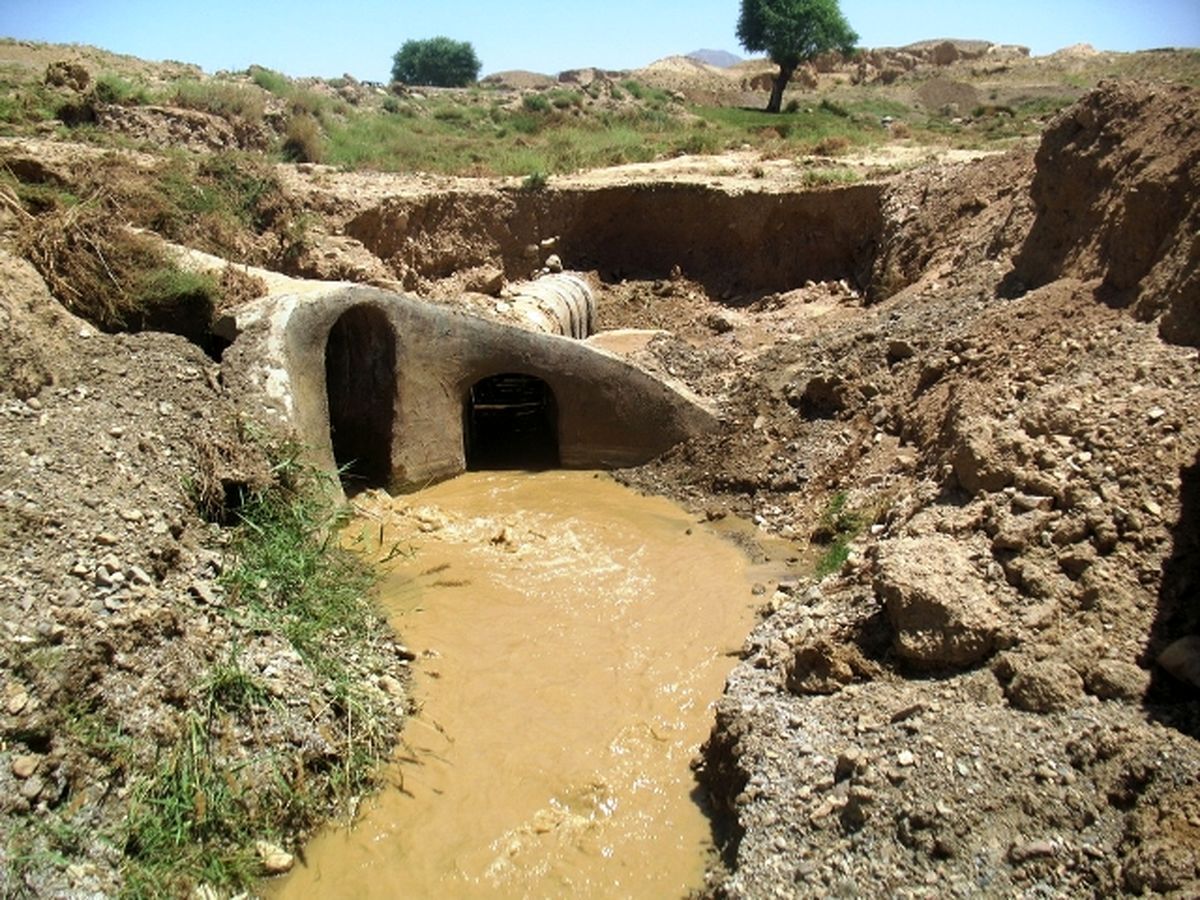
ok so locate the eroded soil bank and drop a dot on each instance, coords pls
(571, 636)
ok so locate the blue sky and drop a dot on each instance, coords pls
(305, 37)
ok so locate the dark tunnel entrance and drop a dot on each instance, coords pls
(360, 383)
(511, 422)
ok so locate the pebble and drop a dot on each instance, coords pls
(24, 766)
(17, 701)
(1031, 850)
(31, 787)
(204, 593)
(140, 576)
(906, 758)
(275, 860)
(391, 686)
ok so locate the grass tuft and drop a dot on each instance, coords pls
(195, 818)
(840, 525)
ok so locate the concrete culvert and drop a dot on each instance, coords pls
(360, 382)
(510, 421)
(557, 304)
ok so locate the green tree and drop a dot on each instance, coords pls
(792, 32)
(437, 62)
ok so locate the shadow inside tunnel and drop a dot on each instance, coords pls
(1171, 700)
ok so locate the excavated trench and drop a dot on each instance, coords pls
(574, 633)
(748, 242)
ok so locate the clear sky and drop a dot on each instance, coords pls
(306, 37)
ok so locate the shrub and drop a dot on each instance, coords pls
(270, 80)
(535, 181)
(110, 88)
(437, 62)
(536, 103)
(303, 141)
(837, 109)
(834, 145)
(117, 279)
(219, 98)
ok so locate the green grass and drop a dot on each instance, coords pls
(843, 525)
(23, 104)
(112, 88)
(219, 98)
(270, 80)
(196, 816)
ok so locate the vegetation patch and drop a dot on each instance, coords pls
(839, 526)
(196, 817)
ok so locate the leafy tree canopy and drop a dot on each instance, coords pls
(792, 31)
(436, 62)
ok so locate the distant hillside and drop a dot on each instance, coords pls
(722, 59)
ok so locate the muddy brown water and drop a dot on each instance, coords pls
(572, 637)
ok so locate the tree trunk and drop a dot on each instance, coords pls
(781, 80)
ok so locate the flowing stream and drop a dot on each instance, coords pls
(572, 635)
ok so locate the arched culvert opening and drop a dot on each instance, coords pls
(511, 422)
(360, 382)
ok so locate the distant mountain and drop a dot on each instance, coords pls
(722, 59)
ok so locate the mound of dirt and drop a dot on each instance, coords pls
(1023, 472)
(1117, 192)
(519, 80)
(688, 76)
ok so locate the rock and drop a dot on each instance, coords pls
(484, 280)
(391, 686)
(718, 323)
(204, 593)
(898, 351)
(24, 766)
(1044, 687)
(1077, 560)
(554, 263)
(402, 652)
(822, 397)
(849, 761)
(906, 759)
(1020, 853)
(31, 787)
(1114, 679)
(139, 576)
(937, 602)
(976, 461)
(17, 701)
(819, 668)
(1182, 660)
(275, 860)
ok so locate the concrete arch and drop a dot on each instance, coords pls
(609, 413)
(360, 391)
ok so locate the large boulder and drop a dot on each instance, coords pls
(937, 601)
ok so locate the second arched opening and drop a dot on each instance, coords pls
(510, 421)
